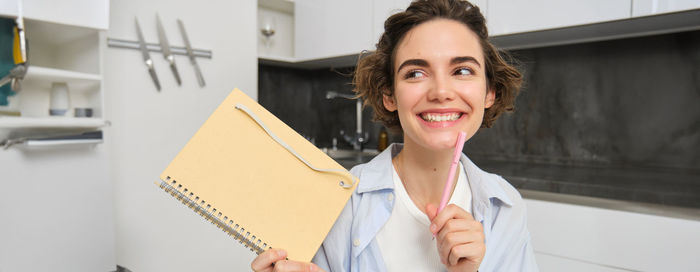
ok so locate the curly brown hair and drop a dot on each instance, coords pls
(374, 75)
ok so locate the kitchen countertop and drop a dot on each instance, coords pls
(657, 191)
(663, 186)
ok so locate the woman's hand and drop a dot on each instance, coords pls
(275, 260)
(460, 238)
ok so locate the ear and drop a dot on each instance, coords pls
(389, 103)
(490, 98)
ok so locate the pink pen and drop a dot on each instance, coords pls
(453, 169)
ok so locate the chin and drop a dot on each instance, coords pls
(443, 142)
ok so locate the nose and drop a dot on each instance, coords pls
(441, 90)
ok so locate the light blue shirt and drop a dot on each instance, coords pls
(351, 244)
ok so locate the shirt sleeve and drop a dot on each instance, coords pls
(528, 262)
(520, 255)
(511, 243)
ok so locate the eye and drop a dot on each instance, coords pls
(414, 74)
(463, 71)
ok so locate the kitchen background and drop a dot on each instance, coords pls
(615, 119)
(602, 144)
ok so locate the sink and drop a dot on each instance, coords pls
(349, 158)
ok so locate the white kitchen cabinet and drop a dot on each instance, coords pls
(515, 16)
(382, 10)
(66, 222)
(58, 53)
(86, 13)
(331, 28)
(652, 7)
(8, 8)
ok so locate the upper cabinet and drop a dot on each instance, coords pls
(85, 13)
(331, 28)
(382, 11)
(652, 7)
(9, 8)
(515, 16)
(333, 32)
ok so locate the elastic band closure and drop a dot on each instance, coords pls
(291, 150)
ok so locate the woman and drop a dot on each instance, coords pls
(434, 74)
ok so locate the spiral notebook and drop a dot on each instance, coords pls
(259, 181)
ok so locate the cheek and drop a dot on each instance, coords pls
(475, 94)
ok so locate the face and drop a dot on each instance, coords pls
(440, 84)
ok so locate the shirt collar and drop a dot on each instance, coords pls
(378, 173)
(484, 185)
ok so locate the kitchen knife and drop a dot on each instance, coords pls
(146, 56)
(193, 60)
(165, 48)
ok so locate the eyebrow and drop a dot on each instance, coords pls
(416, 62)
(424, 63)
(457, 60)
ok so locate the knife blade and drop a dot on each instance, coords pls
(165, 48)
(146, 56)
(193, 60)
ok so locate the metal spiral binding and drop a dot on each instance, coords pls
(210, 214)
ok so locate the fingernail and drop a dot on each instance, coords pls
(282, 253)
(313, 268)
(433, 228)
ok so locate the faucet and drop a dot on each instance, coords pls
(359, 138)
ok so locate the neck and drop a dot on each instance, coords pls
(424, 172)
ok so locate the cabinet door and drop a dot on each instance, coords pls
(382, 10)
(8, 8)
(513, 16)
(331, 28)
(651, 7)
(385, 8)
(87, 13)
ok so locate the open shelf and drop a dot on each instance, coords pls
(46, 74)
(50, 122)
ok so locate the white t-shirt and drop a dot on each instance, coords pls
(405, 240)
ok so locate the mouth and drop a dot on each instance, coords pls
(433, 117)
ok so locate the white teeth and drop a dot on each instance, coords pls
(432, 117)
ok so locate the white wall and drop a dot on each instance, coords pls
(155, 232)
(570, 237)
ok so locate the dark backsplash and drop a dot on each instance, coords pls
(298, 97)
(623, 102)
(629, 104)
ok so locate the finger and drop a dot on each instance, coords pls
(455, 225)
(294, 266)
(452, 240)
(472, 252)
(265, 260)
(431, 211)
(458, 225)
(451, 211)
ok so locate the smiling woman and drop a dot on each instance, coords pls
(433, 75)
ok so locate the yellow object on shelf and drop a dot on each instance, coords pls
(17, 48)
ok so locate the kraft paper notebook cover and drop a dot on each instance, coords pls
(238, 176)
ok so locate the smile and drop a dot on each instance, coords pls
(440, 117)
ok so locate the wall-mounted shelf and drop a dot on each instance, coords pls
(58, 53)
(50, 122)
(46, 74)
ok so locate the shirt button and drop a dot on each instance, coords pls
(390, 197)
(356, 242)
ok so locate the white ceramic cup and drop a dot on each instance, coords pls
(60, 99)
